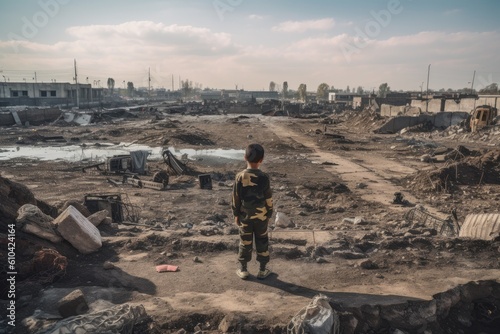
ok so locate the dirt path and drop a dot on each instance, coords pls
(372, 170)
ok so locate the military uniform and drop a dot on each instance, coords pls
(253, 204)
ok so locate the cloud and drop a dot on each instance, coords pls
(301, 26)
(135, 33)
(126, 51)
(255, 17)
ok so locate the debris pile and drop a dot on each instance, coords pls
(483, 169)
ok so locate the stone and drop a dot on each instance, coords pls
(196, 259)
(321, 260)
(79, 206)
(108, 265)
(368, 264)
(32, 220)
(78, 231)
(426, 158)
(97, 218)
(349, 255)
(282, 220)
(72, 304)
(360, 221)
(231, 323)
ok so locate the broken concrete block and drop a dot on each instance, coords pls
(97, 218)
(78, 231)
(79, 206)
(32, 220)
(73, 304)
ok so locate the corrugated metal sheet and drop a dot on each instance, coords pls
(481, 226)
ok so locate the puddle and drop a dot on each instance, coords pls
(100, 152)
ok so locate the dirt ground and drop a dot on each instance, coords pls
(320, 182)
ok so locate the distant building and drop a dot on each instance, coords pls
(44, 94)
(247, 96)
(342, 98)
(211, 95)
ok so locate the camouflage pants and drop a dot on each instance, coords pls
(248, 231)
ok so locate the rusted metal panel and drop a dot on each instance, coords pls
(481, 226)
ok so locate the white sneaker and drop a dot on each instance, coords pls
(243, 274)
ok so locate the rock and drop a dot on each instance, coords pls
(196, 259)
(78, 231)
(73, 304)
(360, 221)
(368, 264)
(79, 206)
(341, 188)
(108, 265)
(97, 218)
(231, 323)
(107, 221)
(426, 158)
(283, 221)
(208, 230)
(321, 260)
(379, 276)
(32, 220)
(349, 255)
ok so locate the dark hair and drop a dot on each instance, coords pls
(254, 153)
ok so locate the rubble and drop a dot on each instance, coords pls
(32, 220)
(73, 304)
(78, 230)
(337, 239)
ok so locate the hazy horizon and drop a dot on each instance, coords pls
(227, 43)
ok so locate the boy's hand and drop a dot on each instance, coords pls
(237, 221)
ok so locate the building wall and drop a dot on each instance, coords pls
(45, 94)
(465, 105)
(489, 100)
(462, 105)
(434, 105)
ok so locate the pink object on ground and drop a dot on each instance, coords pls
(166, 267)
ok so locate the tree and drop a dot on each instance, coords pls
(186, 87)
(383, 89)
(130, 88)
(490, 89)
(302, 92)
(272, 86)
(111, 85)
(322, 92)
(360, 90)
(285, 89)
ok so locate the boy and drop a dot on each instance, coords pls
(252, 206)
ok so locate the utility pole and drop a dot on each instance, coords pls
(172, 82)
(472, 84)
(427, 93)
(77, 88)
(34, 89)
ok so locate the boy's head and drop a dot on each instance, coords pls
(254, 153)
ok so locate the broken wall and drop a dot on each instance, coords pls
(440, 120)
(434, 105)
(33, 116)
(465, 105)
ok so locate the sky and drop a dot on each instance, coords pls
(246, 44)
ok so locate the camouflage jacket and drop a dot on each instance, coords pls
(252, 195)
